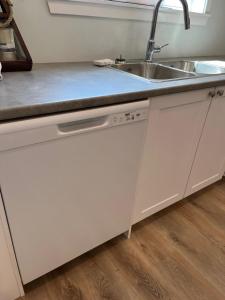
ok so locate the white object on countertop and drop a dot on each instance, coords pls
(1, 77)
(103, 62)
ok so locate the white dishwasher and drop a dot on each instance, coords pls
(68, 182)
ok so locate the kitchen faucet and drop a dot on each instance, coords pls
(151, 49)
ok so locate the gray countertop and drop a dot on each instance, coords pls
(61, 87)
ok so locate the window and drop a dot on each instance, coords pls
(198, 6)
(141, 10)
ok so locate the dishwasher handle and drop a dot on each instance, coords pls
(65, 118)
(82, 126)
(38, 130)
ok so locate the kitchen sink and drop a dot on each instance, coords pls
(154, 71)
(198, 67)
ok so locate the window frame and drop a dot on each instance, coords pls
(190, 3)
(123, 10)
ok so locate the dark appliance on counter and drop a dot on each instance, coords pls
(14, 54)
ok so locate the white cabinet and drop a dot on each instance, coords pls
(9, 285)
(209, 163)
(174, 129)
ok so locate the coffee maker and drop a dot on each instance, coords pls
(14, 55)
(7, 41)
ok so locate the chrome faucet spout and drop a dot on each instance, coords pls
(151, 49)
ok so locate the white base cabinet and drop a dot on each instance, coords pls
(209, 163)
(174, 129)
(10, 286)
(184, 151)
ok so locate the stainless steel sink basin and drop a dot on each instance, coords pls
(198, 67)
(154, 72)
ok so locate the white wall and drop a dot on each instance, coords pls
(52, 38)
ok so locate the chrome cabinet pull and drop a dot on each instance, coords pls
(220, 93)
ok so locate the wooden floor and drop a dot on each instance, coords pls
(177, 254)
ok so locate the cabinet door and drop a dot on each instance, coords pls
(209, 161)
(174, 130)
(9, 289)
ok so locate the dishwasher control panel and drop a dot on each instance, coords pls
(128, 117)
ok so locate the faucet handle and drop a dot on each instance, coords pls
(159, 48)
(163, 46)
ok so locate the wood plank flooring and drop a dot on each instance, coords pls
(177, 254)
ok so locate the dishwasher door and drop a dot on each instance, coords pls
(68, 182)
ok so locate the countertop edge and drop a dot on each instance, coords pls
(45, 108)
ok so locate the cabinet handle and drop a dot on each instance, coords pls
(212, 94)
(220, 93)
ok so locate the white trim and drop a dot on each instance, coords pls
(4, 224)
(208, 6)
(120, 10)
